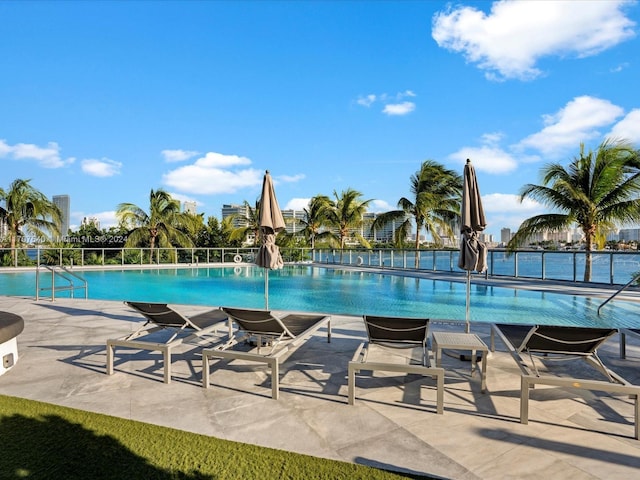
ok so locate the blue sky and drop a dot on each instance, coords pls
(105, 101)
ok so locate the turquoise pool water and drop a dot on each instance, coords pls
(308, 288)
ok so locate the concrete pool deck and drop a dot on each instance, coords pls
(571, 433)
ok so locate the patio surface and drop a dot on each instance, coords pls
(571, 433)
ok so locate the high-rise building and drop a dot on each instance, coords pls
(63, 202)
(240, 212)
(505, 235)
(189, 207)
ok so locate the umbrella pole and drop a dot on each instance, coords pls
(466, 313)
(266, 289)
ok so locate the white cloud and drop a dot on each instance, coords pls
(289, 178)
(506, 211)
(578, 121)
(509, 40)
(213, 159)
(101, 168)
(366, 101)
(178, 155)
(628, 128)
(503, 202)
(403, 108)
(47, 157)
(393, 104)
(213, 174)
(297, 204)
(487, 158)
(380, 206)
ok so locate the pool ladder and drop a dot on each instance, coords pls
(65, 274)
(633, 280)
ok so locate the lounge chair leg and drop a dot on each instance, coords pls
(205, 370)
(167, 364)
(524, 400)
(637, 417)
(351, 384)
(483, 386)
(440, 393)
(110, 353)
(275, 378)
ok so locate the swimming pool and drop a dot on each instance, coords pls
(352, 292)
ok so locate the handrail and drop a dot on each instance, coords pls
(634, 279)
(68, 275)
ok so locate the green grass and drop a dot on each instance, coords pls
(43, 441)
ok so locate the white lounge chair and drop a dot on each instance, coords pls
(274, 337)
(164, 330)
(551, 342)
(396, 332)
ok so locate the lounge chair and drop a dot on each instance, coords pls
(561, 343)
(164, 330)
(633, 332)
(274, 337)
(395, 332)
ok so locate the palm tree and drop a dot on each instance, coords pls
(315, 217)
(30, 216)
(435, 203)
(161, 227)
(345, 214)
(251, 221)
(598, 190)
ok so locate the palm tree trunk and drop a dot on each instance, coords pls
(417, 254)
(587, 258)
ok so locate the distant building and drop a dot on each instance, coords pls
(629, 235)
(240, 212)
(63, 202)
(505, 235)
(292, 220)
(90, 221)
(189, 207)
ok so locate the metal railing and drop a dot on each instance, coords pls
(63, 273)
(620, 290)
(608, 267)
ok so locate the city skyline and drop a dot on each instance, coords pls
(200, 98)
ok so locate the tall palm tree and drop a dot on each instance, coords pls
(598, 190)
(30, 216)
(435, 203)
(345, 214)
(315, 217)
(162, 227)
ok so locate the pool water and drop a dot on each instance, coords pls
(317, 289)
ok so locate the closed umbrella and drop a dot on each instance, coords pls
(473, 252)
(271, 222)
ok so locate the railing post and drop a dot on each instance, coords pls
(611, 268)
(543, 266)
(515, 264)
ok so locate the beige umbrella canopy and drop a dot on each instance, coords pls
(271, 222)
(473, 252)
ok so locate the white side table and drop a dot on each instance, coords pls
(462, 341)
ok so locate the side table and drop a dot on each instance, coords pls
(462, 341)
